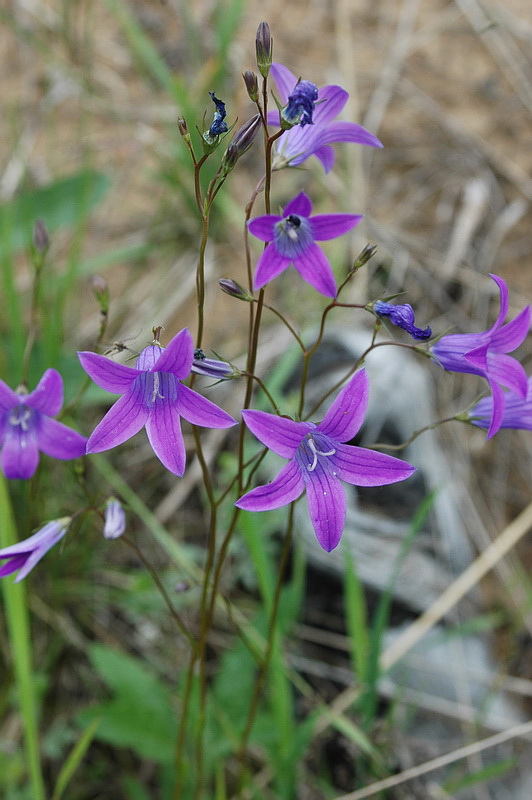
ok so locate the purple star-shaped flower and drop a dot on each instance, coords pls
(319, 460)
(25, 555)
(402, 316)
(485, 354)
(152, 396)
(26, 427)
(517, 411)
(298, 144)
(292, 239)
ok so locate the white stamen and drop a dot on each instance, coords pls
(20, 416)
(156, 392)
(315, 453)
(292, 234)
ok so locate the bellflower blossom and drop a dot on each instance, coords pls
(25, 555)
(26, 427)
(402, 316)
(152, 396)
(292, 240)
(299, 143)
(485, 354)
(517, 411)
(320, 459)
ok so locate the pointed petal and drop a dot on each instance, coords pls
(122, 421)
(478, 357)
(199, 411)
(326, 506)
(314, 268)
(14, 563)
(269, 266)
(284, 79)
(163, 427)
(513, 334)
(300, 205)
(508, 372)
(331, 101)
(363, 467)
(48, 394)
(284, 489)
(54, 533)
(498, 409)
(59, 441)
(177, 356)
(329, 226)
(503, 290)
(346, 415)
(346, 132)
(113, 377)
(20, 454)
(264, 227)
(325, 156)
(8, 398)
(281, 435)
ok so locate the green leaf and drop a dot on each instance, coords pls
(74, 759)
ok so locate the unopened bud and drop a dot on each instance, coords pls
(242, 141)
(252, 85)
(115, 519)
(101, 292)
(234, 289)
(263, 46)
(41, 239)
(365, 255)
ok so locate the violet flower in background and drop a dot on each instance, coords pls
(484, 354)
(402, 316)
(319, 460)
(298, 144)
(517, 411)
(210, 367)
(26, 427)
(152, 396)
(292, 240)
(25, 555)
(115, 519)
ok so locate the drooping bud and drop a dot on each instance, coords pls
(403, 317)
(264, 47)
(252, 85)
(41, 239)
(115, 519)
(234, 289)
(242, 141)
(101, 292)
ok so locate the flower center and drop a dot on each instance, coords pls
(293, 235)
(156, 387)
(311, 447)
(20, 415)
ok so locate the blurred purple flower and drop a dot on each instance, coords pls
(299, 143)
(485, 354)
(153, 396)
(319, 460)
(517, 411)
(25, 555)
(403, 317)
(292, 239)
(115, 519)
(26, 427)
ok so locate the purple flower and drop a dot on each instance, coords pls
(300, 105)
(517, 411)
(319, 460)
(485, 354)
(298, 144)
(153, 396)
(292, 240)
(26, 427)
(25, 555)
(115, 519)
(403, 317)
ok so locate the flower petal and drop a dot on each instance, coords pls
(163, 427)
(54, 533)
(8, 398)
(59, 441)
(177, 356)
(346, 415)
(314, 268)
(125, 418)
(510, 336)
(326, 156)
(300, 205)
(331, 101)
(284, 79)
(20, 454)
(503, 290)
(326, 506)
(346, 132)
(264, 227)
(269, 266)
(508, 372)
(363, 467)
(48, 394)
(281, 435)
(111, 376)
(286, 487)
(329, 226)
(498, 409)
(199, 411)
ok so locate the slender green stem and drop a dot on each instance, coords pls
(15, 598)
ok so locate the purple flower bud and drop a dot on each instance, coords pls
(182, 126)
(41, 239)
(300, 106)
(241, 143)
(210, 366)
(234, 289)
(252, 85)
(115, 519)
(403, 317)
(264, 48)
